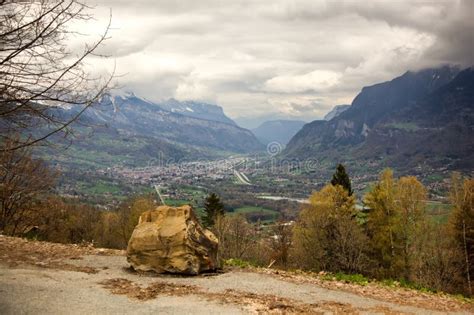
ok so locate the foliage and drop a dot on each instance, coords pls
(326, 235)
(236, 262)
(129, 212)
(395, 222)
(462, 226)
(116, 227)
(410, 198)
(256, 213)
(348, 278)
(340, 177)
(381, 223)
(213, 207)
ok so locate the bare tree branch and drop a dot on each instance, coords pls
(38, 73)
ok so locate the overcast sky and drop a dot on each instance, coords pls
(297, 58)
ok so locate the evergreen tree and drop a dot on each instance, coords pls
(340, 177)
(213, 207)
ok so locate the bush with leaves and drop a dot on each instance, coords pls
(326, 235)
(462, 227)
(397, 227)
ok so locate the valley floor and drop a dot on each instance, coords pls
(45, 278)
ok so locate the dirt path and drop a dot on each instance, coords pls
(101, 283)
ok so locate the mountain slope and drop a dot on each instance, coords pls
(336, 111)
(280, 131)
(128, 129)
(197, 110)
(420, 116)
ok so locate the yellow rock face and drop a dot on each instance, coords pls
(171, 239)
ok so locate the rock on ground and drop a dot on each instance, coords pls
(171, 239)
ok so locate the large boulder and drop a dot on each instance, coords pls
(171, 239)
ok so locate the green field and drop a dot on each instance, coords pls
(405, 126)
(177, 202)
(254, 213)
(438, 211)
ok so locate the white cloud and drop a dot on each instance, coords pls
(317, 80)
(295, 58)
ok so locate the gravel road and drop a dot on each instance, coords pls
(28, 289)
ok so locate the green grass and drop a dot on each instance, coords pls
(177, 202)
(193, 191)
(438, 211)
(435, 178)
(263, 214)
(200, 212)
(406, 284)
(362, 280)
(348, 278)
(101, 188)
(252, 209)
(404, 126)
(236, 262)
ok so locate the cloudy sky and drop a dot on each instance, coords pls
(290, 58)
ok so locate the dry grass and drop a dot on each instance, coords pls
(17, 252)
(402, 296)
(126, 287)
(258, 303)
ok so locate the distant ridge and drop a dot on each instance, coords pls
(131, 130)
(420, 117)
(280, 131)
(336, 111)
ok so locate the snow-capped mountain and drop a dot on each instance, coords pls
(140, 130)
(197, 110)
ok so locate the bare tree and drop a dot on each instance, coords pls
(23, 182)
(236, 236)
(281, 242)
(38, 72)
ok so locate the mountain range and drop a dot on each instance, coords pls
(424, 117)
(197, 110)
(280, 131)
(127, 129)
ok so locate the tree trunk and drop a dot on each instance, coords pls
(466, 256)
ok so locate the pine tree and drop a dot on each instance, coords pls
(340, 177)
(213, 207)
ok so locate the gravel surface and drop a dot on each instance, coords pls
(45, 291)
(38, 278)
